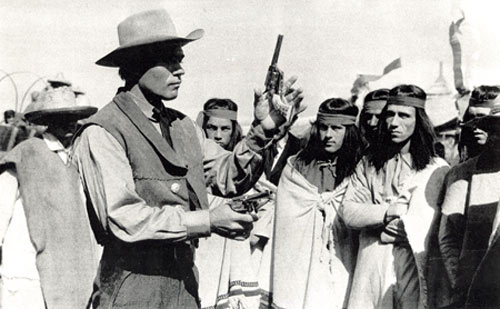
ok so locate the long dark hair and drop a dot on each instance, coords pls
(421, 142)
(350, 152)
(225, 104)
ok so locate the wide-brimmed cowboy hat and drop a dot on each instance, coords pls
(57, 105)
(142, 29)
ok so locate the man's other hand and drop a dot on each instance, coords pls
(229, 223)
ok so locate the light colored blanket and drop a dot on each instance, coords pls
(374, 278)
(313, 252)
(227, 278)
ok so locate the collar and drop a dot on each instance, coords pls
(145, 107)
(405, 157)
(52, 142)
(327, 163)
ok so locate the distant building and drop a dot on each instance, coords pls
(444, 115)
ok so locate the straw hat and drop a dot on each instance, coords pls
(142, 29)
(58, 105)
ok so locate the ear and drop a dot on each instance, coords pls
(199, 119)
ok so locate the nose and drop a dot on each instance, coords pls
(394, 121)
(329, 133)
(177, 69)
(218, 135)
(373, 121)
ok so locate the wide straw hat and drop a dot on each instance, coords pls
(57, 105)
(142, 29)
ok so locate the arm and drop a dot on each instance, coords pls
(231, 174)
(9, 185)
(108, 181)
(357, 209)
(452, 227)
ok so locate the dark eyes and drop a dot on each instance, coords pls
(214, 128)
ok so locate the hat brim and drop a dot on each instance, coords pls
(483, 122)
(121, 54)
(68, 114)
(59, 81)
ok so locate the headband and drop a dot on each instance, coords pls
(336, 119)
(406, 101)
(221, 113)
(483, 103)
(374, 106)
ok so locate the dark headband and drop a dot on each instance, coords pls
(374, 106)
(221, 113)
(406, 101)
(483, 103)
(336, 119)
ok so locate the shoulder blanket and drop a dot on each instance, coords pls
(313, 252)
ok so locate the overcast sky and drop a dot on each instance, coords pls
(326, 44)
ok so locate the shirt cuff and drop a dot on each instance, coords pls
(197, 223)
(257, 140)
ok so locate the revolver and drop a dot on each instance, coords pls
(274, 81)
(274, 77)
(250, 203)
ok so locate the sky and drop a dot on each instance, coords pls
(326, 44)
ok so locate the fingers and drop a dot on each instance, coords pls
(244, 219)
(288, 84)
(281, 78)
(257, 95)
(294, 96)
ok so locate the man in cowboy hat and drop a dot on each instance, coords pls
(146, 169)
(49, 255)
(469, 208)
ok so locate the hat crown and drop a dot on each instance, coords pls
(145, 25)
(51, 99)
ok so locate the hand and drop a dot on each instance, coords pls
(273, 110)
(395, 211)
(231, 224)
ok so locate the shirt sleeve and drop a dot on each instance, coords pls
(231, 174)
(452, 225)
(357, 209)
(108, 181)
(9, 185)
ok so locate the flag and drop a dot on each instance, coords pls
(363, 79)
(395, 64)
(456, 49)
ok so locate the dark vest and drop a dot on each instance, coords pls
(57, 223)
(161, 173)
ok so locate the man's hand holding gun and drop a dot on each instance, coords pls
(279, 104)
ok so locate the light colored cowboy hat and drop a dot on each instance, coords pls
(57, 105)
(142, 29)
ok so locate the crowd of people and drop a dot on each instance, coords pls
(136, 205)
